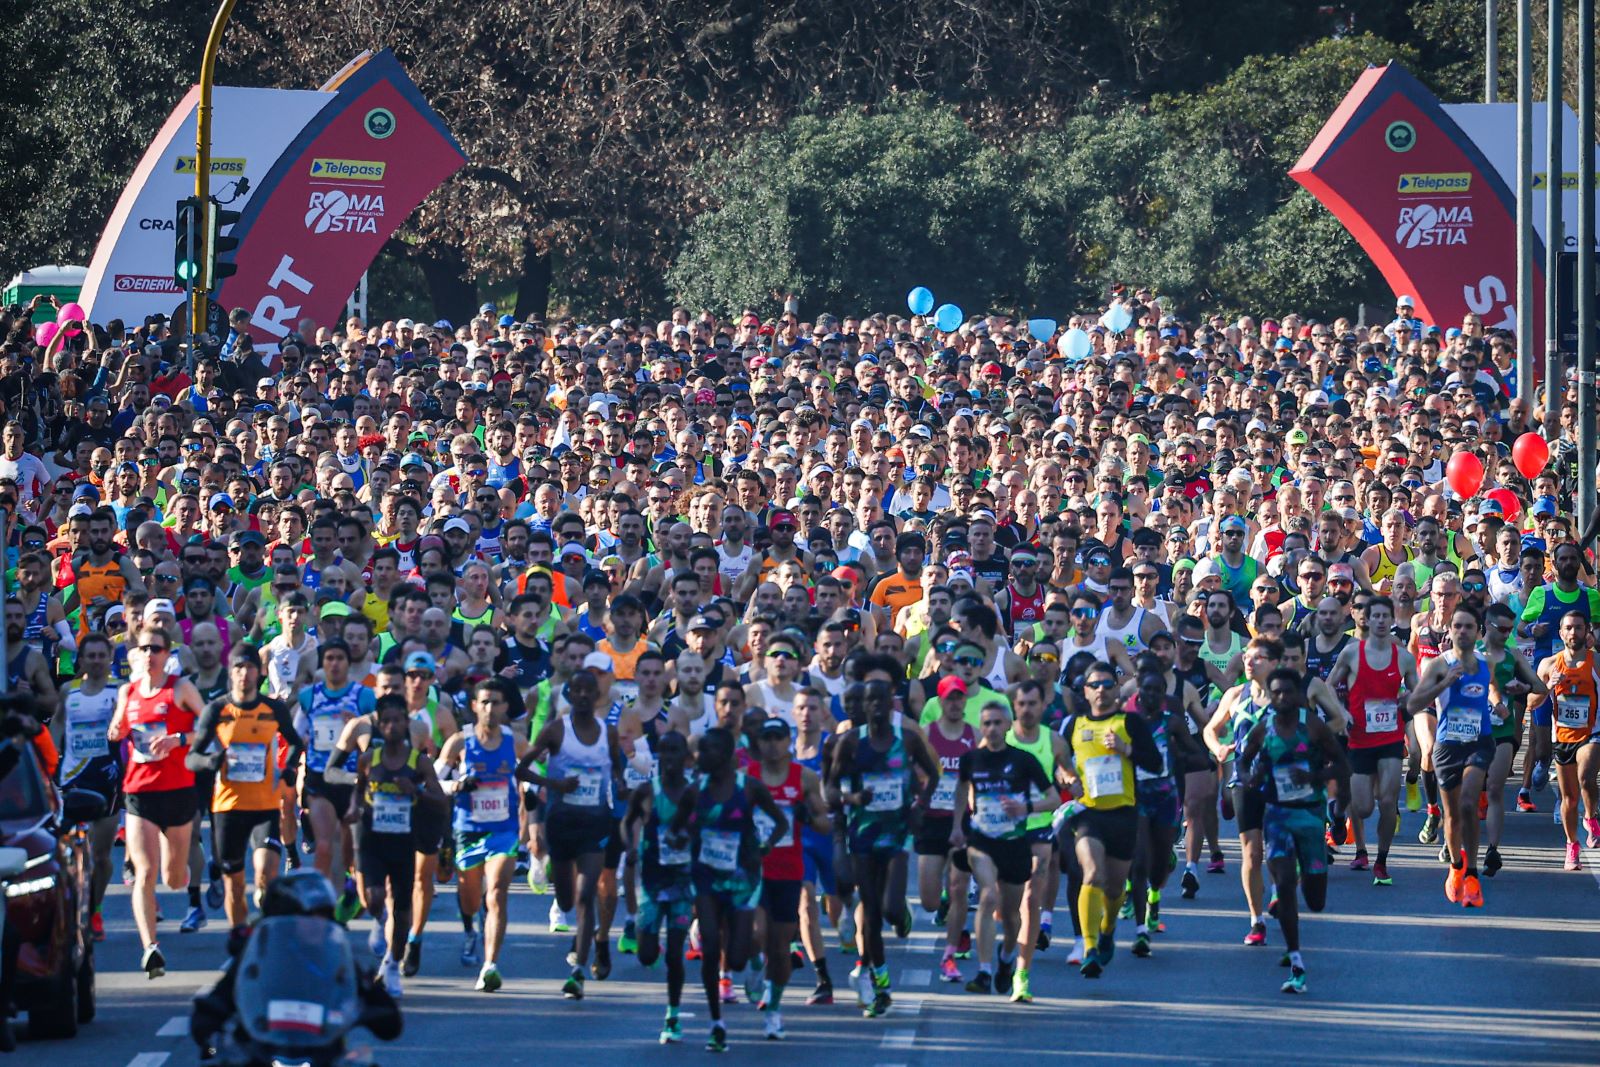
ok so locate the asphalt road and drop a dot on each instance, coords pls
(1395, 973)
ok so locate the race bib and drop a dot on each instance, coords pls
(1102, 777)
(587, 795)
(144, 735)
(391, 813)
(944, 794)
(1383, 716)
(1573, 712)
(1460, 724)
(719, 850)
(491, 802)
(325, 731)
(247, 762)
(888, 791)
(765, 825)
(1288, 789)
(87, 740)
(674, 852)
(991, 819)
(633, 777)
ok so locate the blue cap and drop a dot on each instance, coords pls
(507, 320)
(1453, 332)
(219, 498)
(1373, 365)
(1234, 522)
(421, 661)
(411, 459)
(85, 489)
(486, 309)
(443, 324)
(1545, 505)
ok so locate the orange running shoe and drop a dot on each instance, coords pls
(1483, 806)
(1452, 884)
(1471, 892)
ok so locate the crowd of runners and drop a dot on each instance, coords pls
(741, 636)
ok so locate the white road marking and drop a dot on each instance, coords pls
(916, 976)
(176, 1026)
(899, 1038)
(149, 1059)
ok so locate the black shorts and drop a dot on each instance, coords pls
(1563, 752)
(1452, 758)
(1012, 856)
(1365, 760)
(780, 898)
(1117, 829)
(205, 787)
(235, 834)
(167, 808)
(385, 857)
(337, 795)
(1249, 809)
(568, 836)
(430, 826)
(933, 836)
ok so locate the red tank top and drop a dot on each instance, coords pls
(148, 718)
(1374, 702)
(1025, 610)
(948, 754)
(785, 863)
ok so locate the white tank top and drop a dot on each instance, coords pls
(590, 764)
(1127, 635)
(776, 706)
(996, 675)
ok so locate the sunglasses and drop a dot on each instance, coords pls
(1044, 657)
(781, 653)
(1104, 683)
(152, 649)
(946, 647)
(969, 661)
(1085, 613)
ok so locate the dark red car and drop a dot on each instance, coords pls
(47, 955)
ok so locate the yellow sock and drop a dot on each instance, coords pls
(1113, 906)
(1091, 912)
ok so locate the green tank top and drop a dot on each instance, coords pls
(1041, 749)
(469, 621)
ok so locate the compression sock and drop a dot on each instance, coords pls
(821, 965)
(1091, 912)
(1430, 785)
(775, 995)
(1112, 907)
(194, 896)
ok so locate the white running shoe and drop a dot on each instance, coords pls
(775, 1026)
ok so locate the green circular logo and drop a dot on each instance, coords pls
(379, 123)
(1400, 137)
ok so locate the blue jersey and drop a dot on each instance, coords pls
(323, 713)
(492, 805)
(1464, 707)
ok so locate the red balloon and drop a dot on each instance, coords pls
(1464, 472)
(1530, 454)
(1510, 506)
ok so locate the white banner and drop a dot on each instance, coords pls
(131, 273)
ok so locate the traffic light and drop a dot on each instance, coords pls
(218, 217)
(189, 231)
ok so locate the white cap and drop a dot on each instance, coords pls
(1206, 568)
(405, 324)
(155, 607)
(1404, 301)
(598, 661)
(456, 522)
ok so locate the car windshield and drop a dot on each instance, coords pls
(22, 794)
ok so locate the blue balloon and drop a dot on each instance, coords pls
(1117, 318)
(948, 318)
(920, 300)
(1074, 344)
(1041, 329)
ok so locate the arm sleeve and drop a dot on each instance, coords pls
(1535, 605)
(204, 753)
(1146, 756)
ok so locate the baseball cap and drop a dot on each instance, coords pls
(951, 684)
(222, 499)
(704, 622)
(79, 509)
(457, 523)
(781, 518)
(599, 661)
(155, 607)
(772, 726)
(1545, 505)
(1206, 568)
(1298, 437)
(334, 609)
(421, 661)
(507, 320)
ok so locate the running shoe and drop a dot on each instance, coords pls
(755, 985)
(847, 931)
(1257, 934)
(1572, 864)
(154, 964)
(195, 920)
(1091, 967)
(572, 951)
(377, 943)
(291, 857)
(472, 949)
(774, 1026)
(718, 1041)
(1525, 802)
(559, 923)
(1413, 796)
(1452, 884)
(726, 992)
(391, 978)
(1042, 943)
(692, 949)
(1444, 853)
(348, 907)
(411, 961)
(1471, 892)
(1358, 862)
(1191, 883)
(97, 926)
(600, 969)
(1296, 982)
(1003, 973)
(822, 995)
(628, 943)
(1107, 947)
(488, 979)
(1075, 957)
(1591, 826)
(1492, 862)
(1430, 827)
(880, 979)
(902, 925)
(1216, 866)
(573, 989)
(523, 864)
(943, 911)
(949, 971)
(1153, 914)
(127, 872)
(1272, 901)
(1141, 945)
(671, 1031)
(881, 1003)
(214, 895)
(981, 983)
(539, 880)
(1125, 913)
(1020, 993)
(1380, 874)
(964, 945)
(1541, 776)
(1483, 806)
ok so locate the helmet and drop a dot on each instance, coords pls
(303, 892)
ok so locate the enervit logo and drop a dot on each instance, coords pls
(144, 283)
(1427, 225)
(379, 123)
(1401, 136)
(1419, 184)
(358, 170)
(231, 167)
(338, 211)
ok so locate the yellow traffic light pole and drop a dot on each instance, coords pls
(202, 150)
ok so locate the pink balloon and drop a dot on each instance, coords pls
(44, 333)
(73, 310)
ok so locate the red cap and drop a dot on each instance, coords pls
(952, 684)
(782, 518)
(991, 370)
